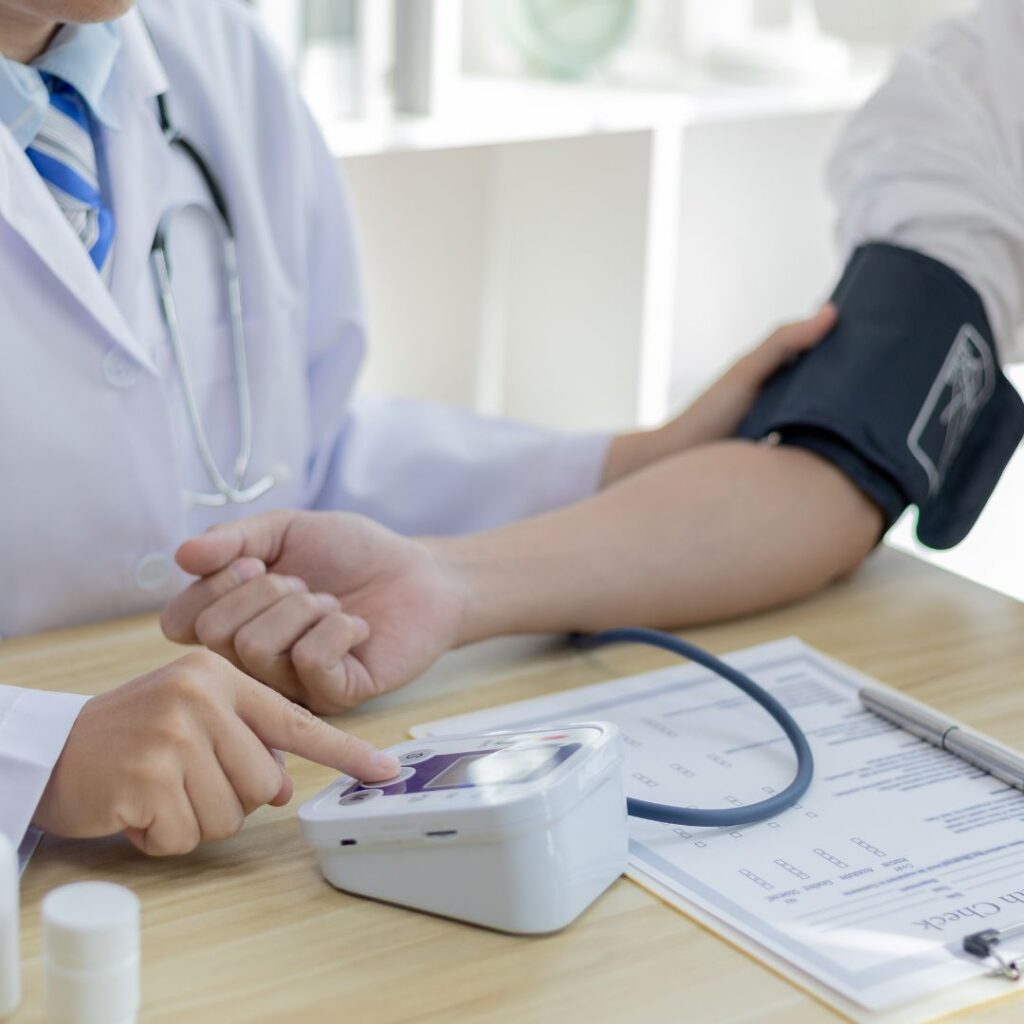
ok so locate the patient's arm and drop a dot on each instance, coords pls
(720, 530)
(687, 528)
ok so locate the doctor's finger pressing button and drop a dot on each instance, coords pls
(167, 795)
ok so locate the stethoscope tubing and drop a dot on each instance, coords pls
(233, 491)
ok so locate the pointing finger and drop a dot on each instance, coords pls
(287, 726)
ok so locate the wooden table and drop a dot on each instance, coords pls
(247, 930)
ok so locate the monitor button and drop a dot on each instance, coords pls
(360, 796)
(404, 773)
(414, 756)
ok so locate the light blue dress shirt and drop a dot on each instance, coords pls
(81, 55)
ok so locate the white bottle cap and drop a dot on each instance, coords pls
(10, 958)
(91, 954)
(90, 924)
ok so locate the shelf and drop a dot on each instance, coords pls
(495, 111)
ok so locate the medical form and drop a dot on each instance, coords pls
(897, 851)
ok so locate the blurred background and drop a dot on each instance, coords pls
(578, 212)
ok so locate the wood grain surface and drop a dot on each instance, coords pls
(248, 931)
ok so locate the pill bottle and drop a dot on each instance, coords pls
(91, 954)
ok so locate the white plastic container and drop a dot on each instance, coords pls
(10, 957)
(515, 831)
(91, 954)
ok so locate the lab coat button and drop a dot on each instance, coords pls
(154, 571)
(120, 369)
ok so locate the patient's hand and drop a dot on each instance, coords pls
(716, 414)
(328, 608)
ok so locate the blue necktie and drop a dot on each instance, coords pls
(64, 154)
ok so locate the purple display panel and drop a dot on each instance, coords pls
(507, 766)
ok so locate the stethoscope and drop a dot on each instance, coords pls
(233, 490)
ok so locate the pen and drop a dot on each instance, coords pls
(946, 734)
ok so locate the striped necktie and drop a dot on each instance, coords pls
(64, 154)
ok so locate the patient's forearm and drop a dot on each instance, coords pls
(717, 531)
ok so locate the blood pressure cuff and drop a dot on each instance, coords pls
(905, 395)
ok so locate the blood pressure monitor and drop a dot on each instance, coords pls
(518, 831)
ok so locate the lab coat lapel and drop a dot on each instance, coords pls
(139, 175)
(138, 158)
(26, 204)
(137, 162)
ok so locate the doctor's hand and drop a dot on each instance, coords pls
(184, 754)
(328, 608)
(715, 414)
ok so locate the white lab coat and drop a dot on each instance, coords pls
(95, 449)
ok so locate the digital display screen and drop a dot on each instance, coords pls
(498, 768)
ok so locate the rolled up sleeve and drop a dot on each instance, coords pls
(933, 161)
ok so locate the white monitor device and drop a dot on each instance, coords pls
(518, 831)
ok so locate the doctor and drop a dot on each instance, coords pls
(181, 331)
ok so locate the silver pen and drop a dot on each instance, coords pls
(946, 734)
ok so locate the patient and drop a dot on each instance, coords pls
(681, 540)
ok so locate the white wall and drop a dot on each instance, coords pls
(421, 220)
(885, 22)
(756, 227)
(474, 258)
(506, 277)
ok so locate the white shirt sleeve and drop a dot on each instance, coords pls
(933, 161)
(34, 726)
(421, 467)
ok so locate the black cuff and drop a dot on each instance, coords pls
(905, 395)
